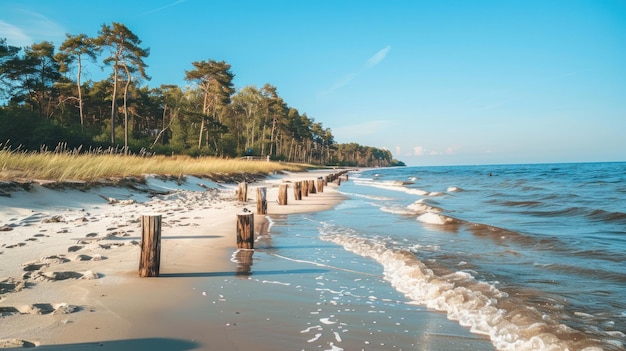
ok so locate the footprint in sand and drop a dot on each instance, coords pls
(53, 219)
(96, 257)
(55, 276)
(74, 248)
(40, 309)
(15, 245)
(11, 285)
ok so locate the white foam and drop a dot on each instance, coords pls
(327, 321)
(275, 282)
(315, 338)
(472, 303)
(432, 218)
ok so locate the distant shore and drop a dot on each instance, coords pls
(68, 278)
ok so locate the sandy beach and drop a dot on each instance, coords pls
(69, 261)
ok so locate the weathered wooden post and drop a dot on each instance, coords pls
(305, 188)
(312, 189)
(150, 260)
(320, 185)
(261, 200)
(297, 190)
(245, 230)
(282, 194)
(243, 192)
(338, 181)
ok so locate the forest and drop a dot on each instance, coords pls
(47, 105)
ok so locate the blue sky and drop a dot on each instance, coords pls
(435, 82)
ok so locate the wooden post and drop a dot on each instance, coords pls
(312, 189)
(261, 200)
(338, 181)
(150, 260)
(305, 188)
(282, 194)
(320, 185)
(297, 190)
(243, 192)
(245, 231)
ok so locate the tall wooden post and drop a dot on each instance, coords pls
(261, 200)
(320, 185)
(282, 194)
(150, 260)
(243, 192)
(245, 231)
(312, 189)
(297, 190)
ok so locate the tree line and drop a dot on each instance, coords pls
(46, 101)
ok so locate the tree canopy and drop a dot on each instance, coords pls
(46, 101)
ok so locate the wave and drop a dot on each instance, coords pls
(482, 307)
(395, 185)
(422, 206)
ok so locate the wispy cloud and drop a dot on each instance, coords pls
(27, 27)
(422, 151)
(14, 35)
(178, 2)
(378, 57)
(374, 60)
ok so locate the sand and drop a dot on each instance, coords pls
(69, 267)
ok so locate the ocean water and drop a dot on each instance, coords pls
(521, 257)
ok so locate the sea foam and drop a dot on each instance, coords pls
(474, 304)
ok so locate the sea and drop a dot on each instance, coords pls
(518, 257)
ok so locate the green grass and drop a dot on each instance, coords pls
(16, 165)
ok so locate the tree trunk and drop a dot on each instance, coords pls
(113, 104)
(128, 78)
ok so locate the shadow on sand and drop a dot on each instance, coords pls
(158, 344)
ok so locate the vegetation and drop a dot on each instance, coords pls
(64, 166)
(46, 101)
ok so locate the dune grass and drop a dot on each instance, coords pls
(91, 167)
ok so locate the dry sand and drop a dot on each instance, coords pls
(69, 262)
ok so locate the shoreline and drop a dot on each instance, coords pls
(73, 259)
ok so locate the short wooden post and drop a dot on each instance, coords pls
(261, 200)
(297, 190)
(320, 185)
(245, 231)
(282, 194)
(243, 192)
(150, 260)
(312, 189)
